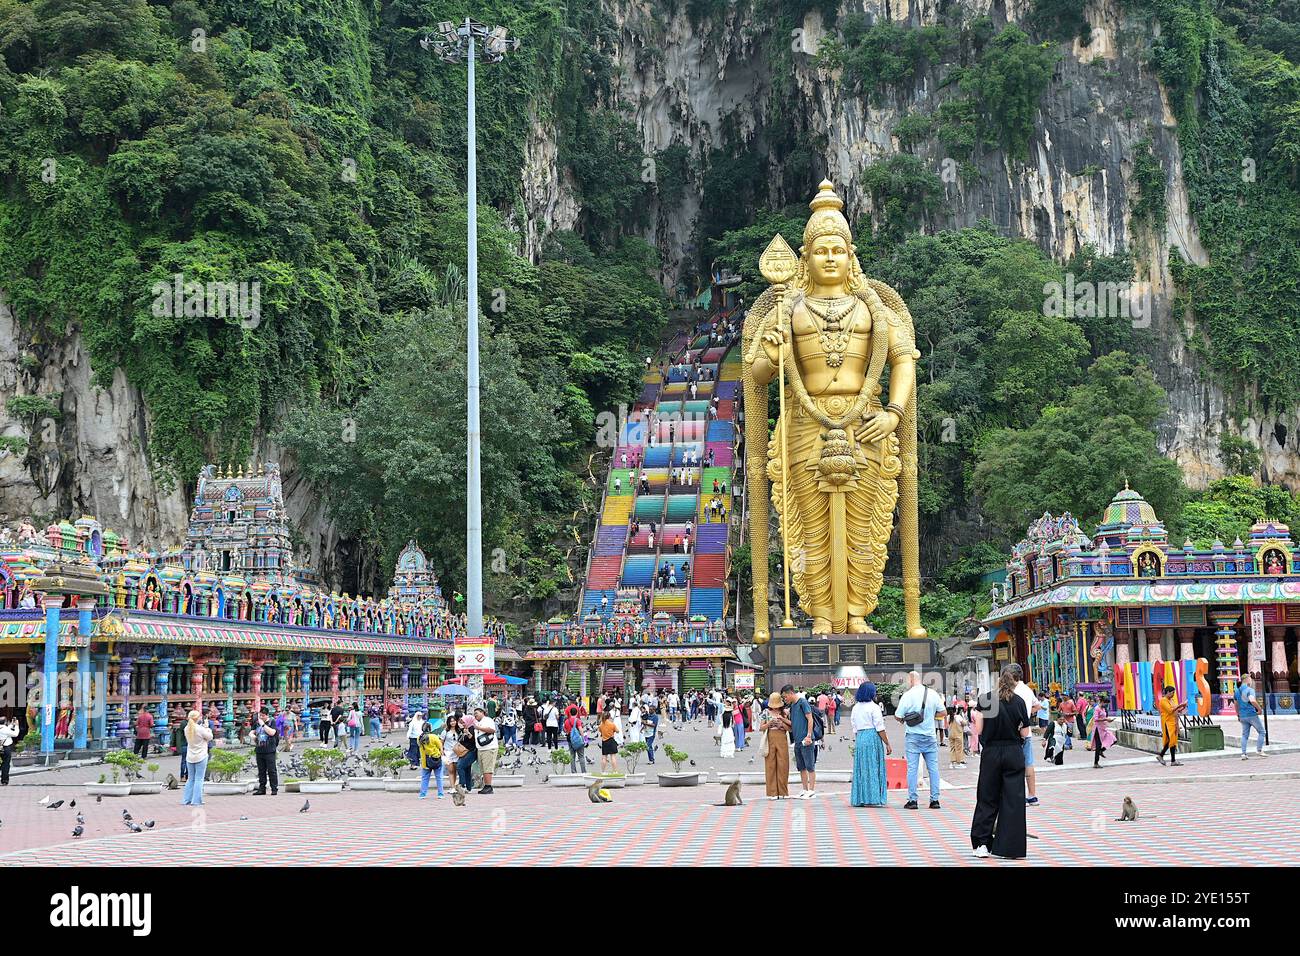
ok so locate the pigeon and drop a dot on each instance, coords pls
(72, 804)
(134, 827)
(597, 794)
(80, 817)
(55, 805)
(148, 824)
(306, 805)
(126, 814)
(243, 818)
(78, 830)
(99, 798)
(44, 801)
(692, 763)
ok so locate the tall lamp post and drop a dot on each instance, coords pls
(454, 44)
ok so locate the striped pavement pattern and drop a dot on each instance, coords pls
(1242, 823)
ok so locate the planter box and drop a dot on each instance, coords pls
(401, 785)
(609, 783)
(367, 783)
(320, 786)
(146, 786)
(746, 777)
(507, 780)
(233, 789)
(635, 779)
(691, 779)
(568, 780)
(108, 789)
(291, 787)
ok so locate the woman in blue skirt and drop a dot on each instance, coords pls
(871, 748)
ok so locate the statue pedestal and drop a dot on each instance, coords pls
(797, 656)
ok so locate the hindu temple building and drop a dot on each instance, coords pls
(227, 621)
(1075, 608)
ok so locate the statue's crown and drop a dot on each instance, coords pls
(827, 218)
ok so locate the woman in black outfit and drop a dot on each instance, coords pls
(1001, 723)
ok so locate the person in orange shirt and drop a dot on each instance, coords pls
(1169, 711)
(608, 745)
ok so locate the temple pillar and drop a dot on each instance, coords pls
(81, 700)
(1225, 649)
(424, 686)
(334, 681)
(676, 667)
(1123, 648)
(1277, 656)
(282, 683)
(360, 676)
(227, 665)
(1186, 643)
(53, 604)
(99, 722)
(406, 690)
(126, 662)
(162, 683)
(304, 674)
(539, 676)
(197, 673)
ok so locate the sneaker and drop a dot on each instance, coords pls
(486, 790)
(439, 796)
(1031, 801)
(1260, 753)
(1175, 763)
(910, 805)
(982, 852)
(1161, 758)
(275, 793)
(259, 793)
(1244, 757)
(934, 805)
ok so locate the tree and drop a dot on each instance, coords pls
(1076, 455)
(1229, 506)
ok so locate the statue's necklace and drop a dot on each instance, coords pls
(832, 330)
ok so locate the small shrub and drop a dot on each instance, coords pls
(677, 757)
(632, 753)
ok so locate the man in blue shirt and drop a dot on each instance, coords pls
(801, 729)
(918, 738)
(1248, 714)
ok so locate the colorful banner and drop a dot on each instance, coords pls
(1140, 684)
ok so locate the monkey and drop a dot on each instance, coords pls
(1129, 812)
(732, 798)
(458, 795)
(172, 782)
(597, 795)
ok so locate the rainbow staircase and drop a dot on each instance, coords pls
(669, 425)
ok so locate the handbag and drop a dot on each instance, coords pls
(917, 718)
(485, 740)
(763, 746)
(432, 763)
(537, 727)
(459, 749)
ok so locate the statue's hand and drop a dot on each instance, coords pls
(773, 342)
(877, 427)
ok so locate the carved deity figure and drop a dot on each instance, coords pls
(840, 456)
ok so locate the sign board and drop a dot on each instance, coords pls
(744, 680)
(889, 653)
(1257, 638)
(816, 653)
(853, 653)
(474, 657)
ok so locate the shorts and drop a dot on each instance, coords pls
(609, 748)
(487, 759)
(1042, 723)
(805, 757)
(1027, 745)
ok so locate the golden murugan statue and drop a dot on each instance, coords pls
(839, 461)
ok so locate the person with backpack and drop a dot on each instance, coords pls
(917, 710)
(576, 741)
(430, 753)
(806, 729)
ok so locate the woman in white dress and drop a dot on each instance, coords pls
(634, 723)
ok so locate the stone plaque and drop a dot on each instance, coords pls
(853, 653)
(816, 654)
(889, 653)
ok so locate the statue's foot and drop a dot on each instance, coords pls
(858, 625)
(821, 625)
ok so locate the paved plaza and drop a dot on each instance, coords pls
(1188, 816)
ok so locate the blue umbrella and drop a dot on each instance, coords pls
(453, 690)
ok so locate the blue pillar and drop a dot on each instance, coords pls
(50, 680)
(305, 675)
(82, 697)
(99, 723)
(162, 680)
(406, 690)
(124, 667)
